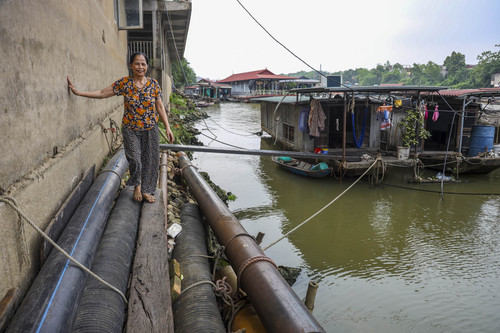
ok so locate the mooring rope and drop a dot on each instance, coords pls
(10, 201)
(324, 207)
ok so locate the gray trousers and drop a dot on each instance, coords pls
(143, 155)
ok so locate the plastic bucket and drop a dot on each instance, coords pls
(481, 139)
(403, 153)
(496, 150)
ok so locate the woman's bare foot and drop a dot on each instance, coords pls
(137, 193)
(149, 198)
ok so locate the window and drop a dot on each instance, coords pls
(129, 14)
(288, 132)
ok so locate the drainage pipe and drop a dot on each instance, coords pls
(196, 309)
(275, 302)
(50, 304)
(102, 309)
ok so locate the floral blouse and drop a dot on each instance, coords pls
(140, 104)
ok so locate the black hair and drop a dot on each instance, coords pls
(132, 57)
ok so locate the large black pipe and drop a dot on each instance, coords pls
(51, 302)
(102, 309)
(196, 308)
(275, 302)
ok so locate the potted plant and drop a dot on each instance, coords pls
(412, 131)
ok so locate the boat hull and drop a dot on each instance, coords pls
(302, 168)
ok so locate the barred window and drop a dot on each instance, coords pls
(288, 132)
(129, 14)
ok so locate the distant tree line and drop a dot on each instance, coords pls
(182, 73)
(458, 74)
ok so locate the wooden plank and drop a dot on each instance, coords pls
(8, 307)
(149, 307)
(59, 222)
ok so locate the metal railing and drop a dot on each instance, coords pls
(145, 47)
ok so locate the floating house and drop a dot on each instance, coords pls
(205, 88)
(256, 83)
(351, 126)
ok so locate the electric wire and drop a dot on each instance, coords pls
(286, 48)
(224, 143)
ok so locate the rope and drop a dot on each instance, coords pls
(249, 262)
(237, 235)
(22, 232)
(112, 171)
(445, 192)
(324, 207)
(10, 201)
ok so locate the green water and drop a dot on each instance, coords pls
(387, 259)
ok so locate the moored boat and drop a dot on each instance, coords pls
(303, 168)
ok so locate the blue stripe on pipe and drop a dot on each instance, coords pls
(73, 250)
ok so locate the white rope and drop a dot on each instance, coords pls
(325, 207)
(10, 201)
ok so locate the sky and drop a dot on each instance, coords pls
(336, 35)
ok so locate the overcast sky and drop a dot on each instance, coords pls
(336, 35)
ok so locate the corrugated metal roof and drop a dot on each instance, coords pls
(374, 89)
(277, 99)
(481, 92)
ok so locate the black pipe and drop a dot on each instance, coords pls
(196, 308)
(51, 302)
(102, 309)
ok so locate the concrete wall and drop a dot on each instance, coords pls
(49, 137)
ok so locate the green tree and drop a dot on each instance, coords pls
(432, 74)
(367, 78)
(456, 68)
(183, 75)
(395, 74)
(489, 64)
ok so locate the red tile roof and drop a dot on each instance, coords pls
(254, 75)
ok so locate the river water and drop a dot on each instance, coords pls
(387, 258)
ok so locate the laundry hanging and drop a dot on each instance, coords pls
(435, 115)
(316, 118)
(359, 141)
(384, 114)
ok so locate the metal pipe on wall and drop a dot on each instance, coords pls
(275, 302)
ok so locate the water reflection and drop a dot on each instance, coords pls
(388, 259)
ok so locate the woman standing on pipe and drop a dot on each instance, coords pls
(143, 106)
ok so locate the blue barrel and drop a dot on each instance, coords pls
(481, 138)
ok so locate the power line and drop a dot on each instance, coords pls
(283, 45)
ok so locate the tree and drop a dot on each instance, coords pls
(456, 68)
(395, 74)
(432, 74)
(367, 78)
(489, 64)
(183, 75)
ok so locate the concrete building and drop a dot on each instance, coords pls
(49, 137)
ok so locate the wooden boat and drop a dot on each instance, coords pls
(302, 168)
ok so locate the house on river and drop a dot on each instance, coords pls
(350, 126)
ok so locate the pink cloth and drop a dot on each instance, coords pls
(435, 115)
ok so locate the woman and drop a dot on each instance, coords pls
(143, 107)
